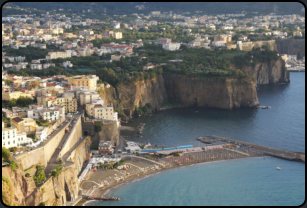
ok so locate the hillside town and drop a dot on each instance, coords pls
(59, 66)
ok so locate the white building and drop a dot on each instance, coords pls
(67, 64)
(20, 58)
(132, 147)
(87, 97)
(171, 46)
(52, 113)
(118, 35)
(36, 66)
(41, 133)
(218, 43)
(12, 138)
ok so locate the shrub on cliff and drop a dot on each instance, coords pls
(13, 165)
(7, 181)
(6, 155)
(98, 128)
(39, 176)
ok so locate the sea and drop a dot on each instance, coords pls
(242, 182)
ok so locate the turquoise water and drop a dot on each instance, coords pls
(281, 127)
(243, 182)
(249, 181)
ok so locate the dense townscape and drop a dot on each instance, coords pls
(59, 65)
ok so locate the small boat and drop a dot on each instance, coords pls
(265, 107)
(278, 168)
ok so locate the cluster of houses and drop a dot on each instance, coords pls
(56, 97)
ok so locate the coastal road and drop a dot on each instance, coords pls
(120, 145)
(52, 163)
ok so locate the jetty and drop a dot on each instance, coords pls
(217, 140)
(140, 128)
(102, 198)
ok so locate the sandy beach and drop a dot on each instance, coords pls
(139, 175)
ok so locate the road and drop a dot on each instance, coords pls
(52, 162)
(120, 145)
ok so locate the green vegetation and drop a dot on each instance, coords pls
(121, 113)
(176, 154)
(142, 146)
(171, 103)
(7, 121)
(13, 165)
(94, 146)
(28, 168)
(39, 176)
(28, 175)
(143, 110)
(121, 162)
(13, 149)
(148, 157)
(98, 128)
(55, 172)
(42, 204)
(29, 52)
(20, 102)
(41, 122)
(6, 155)
(7, 180)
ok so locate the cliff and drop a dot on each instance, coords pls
(248, 46)
(127, 96)
(55, 191)
(291, 46)
(268, 73)
(211, 92)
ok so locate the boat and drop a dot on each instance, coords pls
(278, 168)
(265, 107)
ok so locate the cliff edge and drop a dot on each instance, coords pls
(224, 93)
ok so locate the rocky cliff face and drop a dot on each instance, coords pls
(291, 46)
(248, 46)
(137, 94)
(268, 73)
(54, 192)
(198, 92)
(211, 92)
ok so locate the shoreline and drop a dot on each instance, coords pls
(141, 176)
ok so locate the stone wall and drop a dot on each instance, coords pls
(41, 155)
(73, 138)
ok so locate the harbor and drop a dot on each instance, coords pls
(216, 140)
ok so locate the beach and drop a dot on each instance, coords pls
(136, 164)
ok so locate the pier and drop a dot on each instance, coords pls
(103, 198)
(140, 128)
(216, 140)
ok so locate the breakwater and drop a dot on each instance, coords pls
(264, 150)
(140, 128)
(103, 198)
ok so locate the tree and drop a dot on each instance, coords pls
(8, 82)
(13, 149)
(6, 155)
(98, 128)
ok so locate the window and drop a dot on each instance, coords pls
(18, 139)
